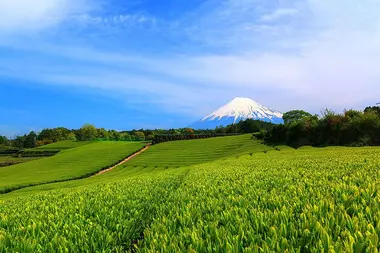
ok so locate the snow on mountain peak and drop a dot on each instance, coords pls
(243, 108)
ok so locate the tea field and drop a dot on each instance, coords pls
(9, 159)
(156, 159)
(4, 158)
(325, 200)
(284, 200)
(68, 164)
(62, 145)
(189, 152)
(39, 152)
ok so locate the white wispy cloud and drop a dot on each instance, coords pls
(323, 54)
(114, 20)
(20, 15)
(277, 14)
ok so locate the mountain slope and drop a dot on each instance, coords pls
(236, 110)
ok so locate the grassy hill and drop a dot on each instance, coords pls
(189, 152)
(178, 154)
(169, 156)
(16, 159)
(312, 200)
(68, 164)
(62, 145)
(39, 152)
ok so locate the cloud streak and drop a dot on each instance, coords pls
(304, 54)
(277, 14)
(24, 16)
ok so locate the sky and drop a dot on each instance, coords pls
(166, 63)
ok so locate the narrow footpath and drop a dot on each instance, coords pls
(124, 161)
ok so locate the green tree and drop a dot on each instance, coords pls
(30, 140)
(150, 137)
(220, 130)
(375, 109)
(102, 133)
(53, 135)
(295, 115)
(72, 136)
(87, 132)
(4, 140)
(188, 131)
(114, 135)
(140, 135)
(352, 113)
(19, 141)
(124, 136)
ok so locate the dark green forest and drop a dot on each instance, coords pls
(350, 128)
(300, 128)
(90, 132)
(87, 132)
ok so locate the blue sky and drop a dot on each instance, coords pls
(166, 63)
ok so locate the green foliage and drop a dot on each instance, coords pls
(30, 140)
(69, 164)
(4, 141)
(11, 160)
(87, 132)
(295, 115)
(242, 127)
(375, 109)
(140, 136)
(18, 142)
(351, 128)
(95, 218)
(102, 133)
(189, 131)
(324, 200)
(71, 136)
(184, 153)
(8, 150)
(184, 136)
(252, 126)
(306, 200)
(36, 153)
(62, 145)
(54, 135)
(44, 151)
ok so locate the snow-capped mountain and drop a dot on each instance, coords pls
(236, 110)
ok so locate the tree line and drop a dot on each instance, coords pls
(89, 132)
(300, 128)
(350, 128)
(242, 127)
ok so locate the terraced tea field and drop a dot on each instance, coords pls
(189, 152)
(62, 145)
(145, 163)
(39, 152)
(285, 200)
(316, 200)
(68, 164)
(10, 159)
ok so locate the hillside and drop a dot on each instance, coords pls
(22, 156)
(68, 164)
(294, 200)
(189, 152)
(62, 145)
(169, 156)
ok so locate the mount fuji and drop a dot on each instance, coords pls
(236, 110)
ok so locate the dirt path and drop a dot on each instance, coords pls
(124, 161)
